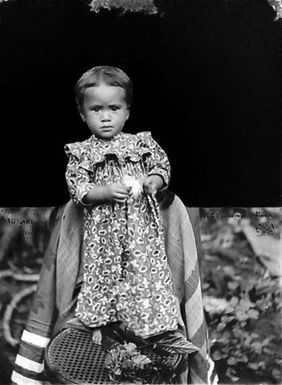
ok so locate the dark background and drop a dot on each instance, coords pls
(206, 78)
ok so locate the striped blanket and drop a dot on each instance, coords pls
(53, 302)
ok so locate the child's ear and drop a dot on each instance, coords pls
(81, 114)
(127, 115)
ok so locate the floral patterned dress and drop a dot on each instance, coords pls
(126, 274)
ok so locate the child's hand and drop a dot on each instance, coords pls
(134, 185)
(117, 192)
(150, 186)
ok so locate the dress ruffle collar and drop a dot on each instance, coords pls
(123, 146)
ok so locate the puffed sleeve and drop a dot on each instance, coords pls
(156, 162)
(78, 172)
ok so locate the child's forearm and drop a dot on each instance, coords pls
(115, 192)
(99, 194)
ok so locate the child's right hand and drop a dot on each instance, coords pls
(117, 192)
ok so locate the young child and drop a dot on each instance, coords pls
(114, 176)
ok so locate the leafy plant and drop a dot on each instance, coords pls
(126, 364)
(243, 309)
(127, 5)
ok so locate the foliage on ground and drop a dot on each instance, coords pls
(242, 300)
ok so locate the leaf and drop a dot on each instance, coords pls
(216, 355)
(117, 371)
(234, 301)
(232, 285)
(126, 364)
(243, 358)
(225, 336)
(267, 350)
(241, 316)
(246, 304)
(257, 347)
(205, 286)
(141, 360)
(229, 270)
(231, 373)
(232, 361)
(254, 314)
(227, 319)
(253, 365)
(276, 373)
(221, 326)
(267, 340)
(229, 309)
(130, 347)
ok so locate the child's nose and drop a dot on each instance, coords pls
(106, 115)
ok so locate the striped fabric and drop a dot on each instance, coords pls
(59, 275)
(19, 379)
(35, 339)
(29, 366)
(29, 363)
(183, 259)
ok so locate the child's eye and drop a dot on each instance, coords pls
(96, 108)
(115, 108)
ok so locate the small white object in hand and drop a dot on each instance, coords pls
(134, 184)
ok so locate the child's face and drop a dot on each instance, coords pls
(104, 110)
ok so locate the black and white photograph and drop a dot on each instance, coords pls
(140, 200)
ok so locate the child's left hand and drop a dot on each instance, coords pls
(151, 184)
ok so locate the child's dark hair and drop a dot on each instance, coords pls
(109, 75)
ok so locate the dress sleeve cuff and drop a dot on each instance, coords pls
(82, 191)
(163, 174)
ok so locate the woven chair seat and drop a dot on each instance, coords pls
(73, 358)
